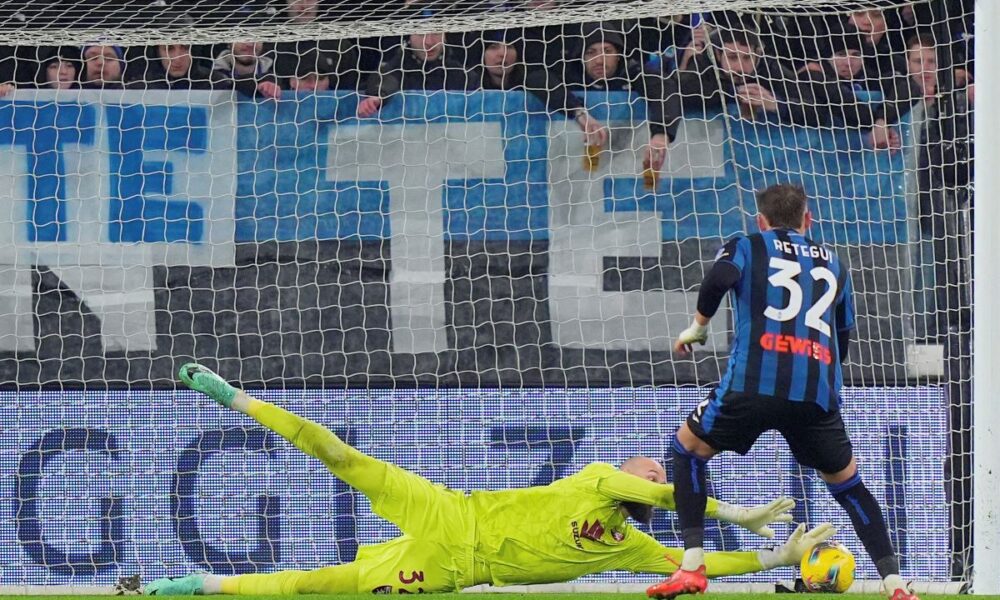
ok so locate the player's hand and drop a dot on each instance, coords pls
(695, 334)
(801, 541)
(757, 518)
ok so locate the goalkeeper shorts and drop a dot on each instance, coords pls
(406, 565)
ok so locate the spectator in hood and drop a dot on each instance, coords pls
(245, 67)
(58, 72)
(836, 81)
(103, 67)
(804, 39)
(669, 43)
(503, 69)
(420, 64)
(604, 66)
(336, 61)
(732, 70)
(172, 67)
(310, 75)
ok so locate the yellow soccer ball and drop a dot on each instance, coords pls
(828, 567)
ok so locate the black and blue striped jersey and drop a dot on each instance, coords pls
(791, 300)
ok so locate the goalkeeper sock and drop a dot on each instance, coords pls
(690, 498)
(866, 516)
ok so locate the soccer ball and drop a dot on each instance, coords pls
(828, 567)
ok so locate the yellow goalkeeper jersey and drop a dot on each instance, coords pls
(570, 528)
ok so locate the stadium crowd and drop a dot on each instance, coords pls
(865, 69)
(805, 70)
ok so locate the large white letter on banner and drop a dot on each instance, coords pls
(582, 233)
(416, 160)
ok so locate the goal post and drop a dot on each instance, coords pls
(480, 283)
(986, 416)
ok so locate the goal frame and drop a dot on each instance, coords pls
(986, 312)
(985, 576)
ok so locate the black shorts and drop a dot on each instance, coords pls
(817, 438)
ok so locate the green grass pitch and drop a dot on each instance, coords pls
(581, 596)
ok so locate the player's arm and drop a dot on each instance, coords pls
(646, 555)
(721, 278)
(625, 487)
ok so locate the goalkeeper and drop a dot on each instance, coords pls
(573, 527)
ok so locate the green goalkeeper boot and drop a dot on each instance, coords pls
(191, 585)
(204, 380)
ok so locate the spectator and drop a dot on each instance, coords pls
(57, 72)
(336, 60)
(735, 71)
(172, 67)
(805, 39)
(103, 67)
(877, 48)
(835, 83)
(503, 70)
(917, 85)
(548, 46)
(421, 64)
(245, 67)
(955, 29)
(669, 43)
(310, 76)
(942, 162)
(603, 65)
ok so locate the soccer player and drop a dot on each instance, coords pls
(794, 316)
(573, 527)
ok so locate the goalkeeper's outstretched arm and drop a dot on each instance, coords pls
(647, 555)
(622, 486)
(362, 472)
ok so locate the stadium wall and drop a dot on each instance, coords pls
(455, 241)
(162, 482)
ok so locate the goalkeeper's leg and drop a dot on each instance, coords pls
(403, 565)
(337, 579)
(412, 503)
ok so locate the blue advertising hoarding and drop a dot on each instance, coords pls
(94, 485)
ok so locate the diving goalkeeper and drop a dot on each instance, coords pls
(575, 526)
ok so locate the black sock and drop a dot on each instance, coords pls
(866, 516)
(690, 495)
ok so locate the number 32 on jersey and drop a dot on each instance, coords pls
(786, 276)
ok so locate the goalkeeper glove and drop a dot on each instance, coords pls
(800, 542)
(757, 518)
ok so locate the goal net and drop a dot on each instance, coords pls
(444, 230)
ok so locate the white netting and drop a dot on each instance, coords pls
(469, 231)
(145, 22)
